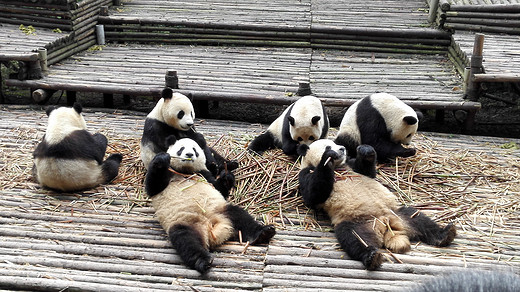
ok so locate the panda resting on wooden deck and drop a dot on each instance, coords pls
(69, 158)
(365, 214)
(191, 209)
(173, 115)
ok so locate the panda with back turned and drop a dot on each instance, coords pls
(69, 158)
(173, 115)
(303, 122)
(365, 214)
(192, 211)
(382, 121)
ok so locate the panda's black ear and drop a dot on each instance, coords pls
(410, 120)
(77, 107)
(315, 119)
(302, 149)
(291, 120)
(49, 109)
(190, 96)
(170, 140)
(167, 93)
(420, 115)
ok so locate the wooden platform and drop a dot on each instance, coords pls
(107, 238)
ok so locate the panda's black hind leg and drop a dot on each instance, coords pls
(110, 167)
(252, 230)
(188, 244)
(359, 242)
(425, 229)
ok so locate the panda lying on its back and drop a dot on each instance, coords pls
(70, 158)
(196, 215)
(173, 115)
(382, 121)
(365, 214)
(302, 122)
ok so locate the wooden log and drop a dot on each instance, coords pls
(482, 15)
(496, 8)
(25, 57)
(432, 13)
(282, 99)
(496, 77)
(483, 28)
(484, 22)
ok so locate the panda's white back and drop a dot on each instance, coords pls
(358, 197)
(67, 174)
(62, 122)
(349, 123)
(196, 203)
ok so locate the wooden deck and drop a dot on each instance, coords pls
(107, 238)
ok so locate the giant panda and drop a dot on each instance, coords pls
(365, 214)
(191, 210)
(303, 122)
(382, 121)
(173, 115)
(69, 158)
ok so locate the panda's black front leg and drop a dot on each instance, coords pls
(252, 230)
(224, 182)
(365, 161)
(316, 183)
(289, 147)
(387, 150)
(262, 143)
(158, 176)
(359, 242)
(101, 143)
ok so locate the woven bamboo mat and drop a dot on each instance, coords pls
(108, 239)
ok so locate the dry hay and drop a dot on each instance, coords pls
(449, 183)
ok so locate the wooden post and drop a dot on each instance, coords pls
(103, 10)
(108, 100)
(41, 96)
(171, 79)
(475, 67)
(42, 54)
(100, 34)
(304, 88)
(434, 6)
(71, 97)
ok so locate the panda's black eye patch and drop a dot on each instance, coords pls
(196, 153)
(327, 148)
(311, 138)
(180, 115)
(300, 139)
(409, 135)
(180, 151)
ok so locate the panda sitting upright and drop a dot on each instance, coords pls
(365, 214)
(70, 158)
(192, 211)
(302, 122)
(382, 121)
(173, 115)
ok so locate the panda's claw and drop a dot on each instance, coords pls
(373, 259)
(203, 264)
(264, 235)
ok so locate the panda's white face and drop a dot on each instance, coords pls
(63, 121)
(178, 112)
(187, 156)
(404, 132)
(305, 134)
(313, 155)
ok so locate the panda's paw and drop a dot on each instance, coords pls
(407, 152)
(226, 179)
(203, 263)
(161, 160)
(372, 259)
(116, 157)
(264, 235)
(366, 153)
(231, 165)
(329, 156)
(448, 235)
